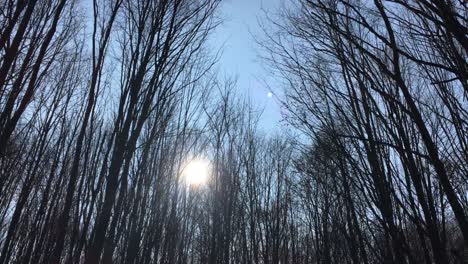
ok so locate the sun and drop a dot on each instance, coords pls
(196, 172)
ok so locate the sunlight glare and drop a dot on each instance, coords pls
(196, 171)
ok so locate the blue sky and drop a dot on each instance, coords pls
(240, 55)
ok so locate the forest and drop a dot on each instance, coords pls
(121, 142)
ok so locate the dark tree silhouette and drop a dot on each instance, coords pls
(105, 104)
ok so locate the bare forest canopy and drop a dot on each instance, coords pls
(120, 142)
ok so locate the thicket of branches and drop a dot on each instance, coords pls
(380, 88)
(103, 103)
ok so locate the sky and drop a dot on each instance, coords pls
(240, 56)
